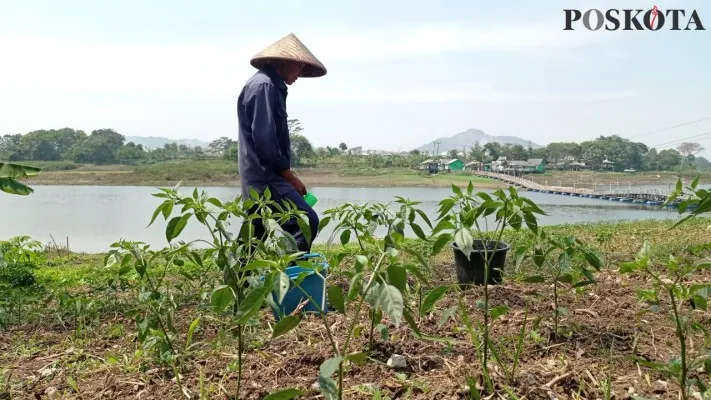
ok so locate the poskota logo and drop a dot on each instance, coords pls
(614, 19)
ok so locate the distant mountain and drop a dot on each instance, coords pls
(152, 142)
(468, 139)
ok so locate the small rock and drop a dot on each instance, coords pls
(49, 371)
(460, 359)
(630, 390)
(466, 389)
(316, 386)
(50, 391)
(397, 361)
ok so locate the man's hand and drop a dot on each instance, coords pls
(294, 181)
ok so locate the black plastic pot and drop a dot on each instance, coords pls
(471, 271)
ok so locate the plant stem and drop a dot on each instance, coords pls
(682, 343)
(555, 304)
(354, 321)
(372, 329)
(240, 350)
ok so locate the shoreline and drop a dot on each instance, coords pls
(322, 178)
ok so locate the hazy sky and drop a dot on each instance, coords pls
(400, 73)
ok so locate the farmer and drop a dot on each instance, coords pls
(264, 144)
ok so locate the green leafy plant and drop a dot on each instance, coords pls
(674, 283)
(460, 220)
(20, 257)
(252, 267)
(379, 278)
(691, 199)
(9, 175)
(562, 261)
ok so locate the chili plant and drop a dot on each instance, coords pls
(380, 278)
(562, 261)
(459, 221)
(252, 267)
(694, 200)
(674, 282)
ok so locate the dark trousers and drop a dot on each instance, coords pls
(291, 227)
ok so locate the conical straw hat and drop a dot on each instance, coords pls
(291, 48)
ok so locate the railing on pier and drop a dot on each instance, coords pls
(641, 195)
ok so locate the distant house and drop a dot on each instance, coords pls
(474, 166)
(431, 166)
(532, 165)
(578, 166)
(356, 151)
(538, 165)
(453, 165)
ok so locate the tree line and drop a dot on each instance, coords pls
(605, 152)
(106, 146)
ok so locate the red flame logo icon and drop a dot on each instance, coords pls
(654, 17)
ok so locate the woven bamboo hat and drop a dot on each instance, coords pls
(290, 48)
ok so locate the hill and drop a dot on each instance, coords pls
(153, 142)
(470, 137)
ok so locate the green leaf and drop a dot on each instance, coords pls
(535, 279)
(390, 298)
(424, 217)
(695, 182)
(323, 223)
(191, 331)
(167, 209)
(335, 298)
(397, 276)
(498, 311)
(357, 357)
(562, 311)
(286, 394)
(356, 287)
(447, 315)
(439, 244)
(593, 260)
(531, 221)
(285, 325)
(281, 286)
(304, 227)
(629, 267)
(14, 171)
(418, 231)
(157, 212)
(221, 298)
(176, 226)
(456, 190)
(384, 334)
(330, 366)
(432, 298)
(11, 186)
(251, 304)
(464, 240)
(345, 237)
(700, 302)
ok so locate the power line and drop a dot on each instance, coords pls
(699, 136)
(668, 128)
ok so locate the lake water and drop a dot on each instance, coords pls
(93, 217)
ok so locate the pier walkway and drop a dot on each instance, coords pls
(653, 197)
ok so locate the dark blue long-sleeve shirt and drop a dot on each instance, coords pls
(264, 144)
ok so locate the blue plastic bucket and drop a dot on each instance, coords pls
(313, 284)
